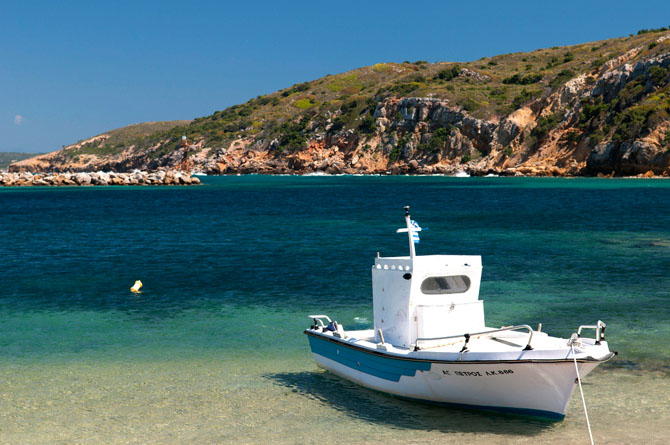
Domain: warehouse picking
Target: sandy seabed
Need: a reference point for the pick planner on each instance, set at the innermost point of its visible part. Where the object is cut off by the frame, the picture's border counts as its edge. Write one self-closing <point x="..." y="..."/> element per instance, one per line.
<point x="219" y="400"/>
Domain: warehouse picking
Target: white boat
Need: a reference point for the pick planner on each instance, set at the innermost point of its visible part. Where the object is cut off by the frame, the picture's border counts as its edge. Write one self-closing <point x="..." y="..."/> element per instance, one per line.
<point x="430" y="343"/>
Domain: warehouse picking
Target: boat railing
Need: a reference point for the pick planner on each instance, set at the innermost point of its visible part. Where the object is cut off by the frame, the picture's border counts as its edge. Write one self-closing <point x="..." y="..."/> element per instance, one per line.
<point x="318" y="320"/>
<point x="470" y="336"/>
<point x="600" y="330"/>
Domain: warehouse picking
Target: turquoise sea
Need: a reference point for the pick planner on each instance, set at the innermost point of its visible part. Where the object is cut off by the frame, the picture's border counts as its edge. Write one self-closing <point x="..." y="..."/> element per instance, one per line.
<point x="212" y="350"/>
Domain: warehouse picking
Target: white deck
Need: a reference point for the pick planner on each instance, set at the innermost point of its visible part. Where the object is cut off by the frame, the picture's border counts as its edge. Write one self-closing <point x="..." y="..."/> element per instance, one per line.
<point x="507" y="345"/>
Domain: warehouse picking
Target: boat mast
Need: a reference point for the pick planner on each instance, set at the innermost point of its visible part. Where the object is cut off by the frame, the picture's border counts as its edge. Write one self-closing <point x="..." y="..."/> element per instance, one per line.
<point x="410" y="233"/>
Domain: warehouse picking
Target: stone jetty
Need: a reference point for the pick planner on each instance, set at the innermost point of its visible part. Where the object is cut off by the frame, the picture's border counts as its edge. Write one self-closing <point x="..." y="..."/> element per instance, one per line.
<point x="159" y="177"/>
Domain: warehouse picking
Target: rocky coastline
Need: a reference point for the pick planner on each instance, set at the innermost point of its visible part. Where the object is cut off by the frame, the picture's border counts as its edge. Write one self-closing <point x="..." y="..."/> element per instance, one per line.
<point x="594" y="109"/>
<point x="159" y="177"/>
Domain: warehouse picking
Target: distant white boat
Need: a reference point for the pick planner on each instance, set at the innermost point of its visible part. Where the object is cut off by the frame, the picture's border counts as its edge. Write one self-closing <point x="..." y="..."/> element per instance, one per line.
<point x="491" y="175"/>
<point x="430" y="343"/>
<point x="199" y="174"/>
<point x="460" y="174"/>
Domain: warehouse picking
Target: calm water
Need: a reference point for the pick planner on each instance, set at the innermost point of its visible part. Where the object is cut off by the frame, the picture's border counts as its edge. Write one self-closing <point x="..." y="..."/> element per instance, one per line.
<point x="212" y="350"/>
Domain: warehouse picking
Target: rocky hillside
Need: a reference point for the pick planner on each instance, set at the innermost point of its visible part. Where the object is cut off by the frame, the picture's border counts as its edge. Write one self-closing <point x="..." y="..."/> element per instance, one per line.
<point x="594" y="108"/>
<point x="113" y="150"/>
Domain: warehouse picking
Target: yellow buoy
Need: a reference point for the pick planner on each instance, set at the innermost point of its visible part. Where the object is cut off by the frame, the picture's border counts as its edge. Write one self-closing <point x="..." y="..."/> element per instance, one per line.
<point x="136" y="287"/>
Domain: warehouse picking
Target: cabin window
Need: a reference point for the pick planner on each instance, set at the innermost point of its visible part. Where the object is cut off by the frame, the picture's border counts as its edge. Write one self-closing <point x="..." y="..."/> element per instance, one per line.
<point x="455" y="284"/>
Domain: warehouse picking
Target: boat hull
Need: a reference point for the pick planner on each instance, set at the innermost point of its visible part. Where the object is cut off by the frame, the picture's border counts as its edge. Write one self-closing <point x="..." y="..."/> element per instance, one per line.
<point x="539" y="388"/>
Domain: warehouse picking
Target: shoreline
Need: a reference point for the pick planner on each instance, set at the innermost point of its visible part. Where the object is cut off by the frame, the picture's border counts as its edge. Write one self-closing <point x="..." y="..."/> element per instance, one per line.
<point x="178" y="178"/>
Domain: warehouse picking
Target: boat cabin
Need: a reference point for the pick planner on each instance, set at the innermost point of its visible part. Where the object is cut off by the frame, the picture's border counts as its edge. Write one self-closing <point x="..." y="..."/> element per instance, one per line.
<point x="428" y="296"/>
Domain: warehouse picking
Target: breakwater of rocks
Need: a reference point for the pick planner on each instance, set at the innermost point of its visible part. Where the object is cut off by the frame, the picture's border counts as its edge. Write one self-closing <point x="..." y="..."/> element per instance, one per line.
<point x="159" y="177"/>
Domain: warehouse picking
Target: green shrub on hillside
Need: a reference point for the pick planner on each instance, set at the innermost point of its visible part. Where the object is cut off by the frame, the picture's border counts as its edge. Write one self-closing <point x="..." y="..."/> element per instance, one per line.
<point x="646" y="31"/>
<point x="596" y="137"/>
<point x="571" y="137"/>
<point x="291" y="137"/>
<point x="561" y="78"/>
<point x="99" y="149"/>
<point x="633" y="123"/>
<point x="519" y="79"/>
<point x="348" y="107"/>
<point x="371" y="105"/>
<point x="297" y="88"/>
<point x="498" y="94"/>
<point x="597" y="63"/>
<point x="657" y="116"/>
<point x="367" y="125"/>
<point x="523" y="97"/>
<point x="545" y="124"/>
<point x="658" y="75"/>
<point x="396" y="153"/>
<point x="416" y="77"/>
<point x="302" y="86"/>
<point x="552" y="63"/>
<point x="449" y="73"/>
<point x="593" y="113"/>
<point x="403" y="89"/>
<point x="638" y="120"/>
<point x="437" y="141"/>
<point x="337" y="124"/>
<point x="471" y="105"/>
<point x="349" y="111"/>
<point x="631" y="93"/>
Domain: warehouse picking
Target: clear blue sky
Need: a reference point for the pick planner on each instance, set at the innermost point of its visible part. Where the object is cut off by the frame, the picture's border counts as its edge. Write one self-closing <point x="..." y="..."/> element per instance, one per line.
<point x="73" y="69"/>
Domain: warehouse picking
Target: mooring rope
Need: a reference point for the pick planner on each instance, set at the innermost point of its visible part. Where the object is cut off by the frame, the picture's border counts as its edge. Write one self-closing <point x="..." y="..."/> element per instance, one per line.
<point x="579" y="380"/>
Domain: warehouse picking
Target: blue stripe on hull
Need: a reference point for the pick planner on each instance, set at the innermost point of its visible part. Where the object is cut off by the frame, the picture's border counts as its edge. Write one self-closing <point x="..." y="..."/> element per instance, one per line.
<point x="392" y="369"/>
<point x="382" y="367"/>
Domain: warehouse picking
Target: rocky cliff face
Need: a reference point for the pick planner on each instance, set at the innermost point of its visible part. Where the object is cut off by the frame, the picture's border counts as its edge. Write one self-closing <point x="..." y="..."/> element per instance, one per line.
<point x="554" y="135"/>
<point x="612" y="120"/>
<point x="649" y="150"/>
